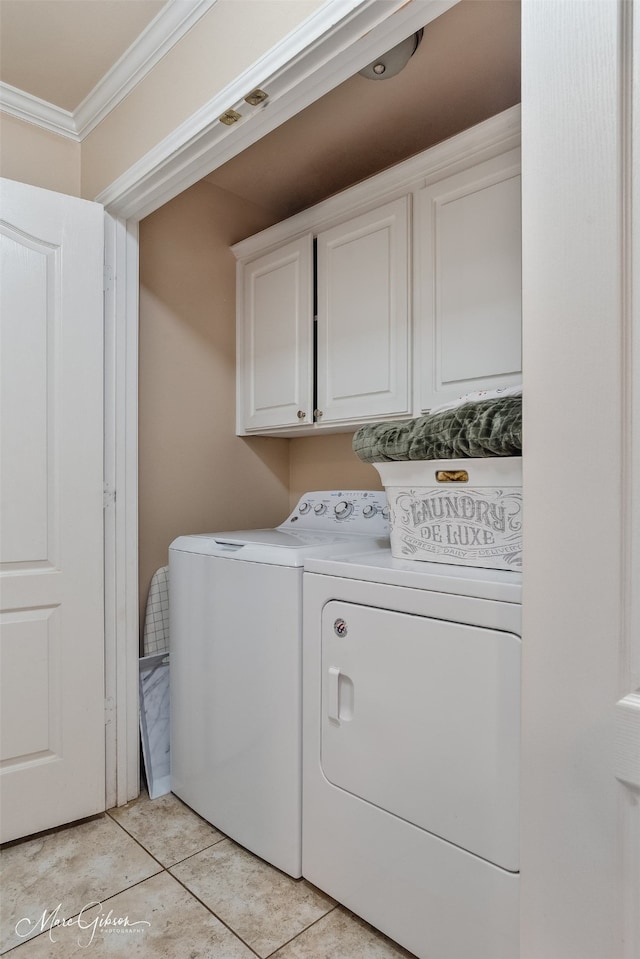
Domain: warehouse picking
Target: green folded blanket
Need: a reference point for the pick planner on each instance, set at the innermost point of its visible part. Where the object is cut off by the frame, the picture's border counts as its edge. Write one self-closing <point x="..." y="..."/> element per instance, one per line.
<point x="487" y="428"/>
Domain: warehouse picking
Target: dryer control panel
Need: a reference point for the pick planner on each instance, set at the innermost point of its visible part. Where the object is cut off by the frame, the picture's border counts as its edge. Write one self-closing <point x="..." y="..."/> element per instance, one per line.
<point x="353" y="511"/>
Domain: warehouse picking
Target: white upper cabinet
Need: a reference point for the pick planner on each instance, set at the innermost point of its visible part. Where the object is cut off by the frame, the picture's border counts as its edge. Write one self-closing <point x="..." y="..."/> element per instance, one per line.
<point x="417" y="290"/>
<point x="363" y="322"/>
<point x="468" y="281"/>
<point x="275" y="339"/>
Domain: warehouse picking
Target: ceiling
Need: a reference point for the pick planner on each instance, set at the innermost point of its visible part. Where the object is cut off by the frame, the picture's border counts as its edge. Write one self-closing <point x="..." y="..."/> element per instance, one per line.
<point x="58" y="50"/>
<point x="466" y="68"/>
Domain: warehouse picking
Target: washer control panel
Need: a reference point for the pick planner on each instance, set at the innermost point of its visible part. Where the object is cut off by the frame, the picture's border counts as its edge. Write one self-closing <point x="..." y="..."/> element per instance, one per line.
<point x="354" y="511"/>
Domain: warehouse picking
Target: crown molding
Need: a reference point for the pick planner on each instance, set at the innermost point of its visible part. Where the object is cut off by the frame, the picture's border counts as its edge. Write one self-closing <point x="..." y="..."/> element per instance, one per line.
<point x="165" y="30"/>
<point x="32" y="109"/>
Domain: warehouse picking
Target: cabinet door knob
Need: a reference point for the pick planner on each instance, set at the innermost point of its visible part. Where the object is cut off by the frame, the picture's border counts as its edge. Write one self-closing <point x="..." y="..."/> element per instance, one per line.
<point x="301" y="414"/>
<point x="317" y="414"/>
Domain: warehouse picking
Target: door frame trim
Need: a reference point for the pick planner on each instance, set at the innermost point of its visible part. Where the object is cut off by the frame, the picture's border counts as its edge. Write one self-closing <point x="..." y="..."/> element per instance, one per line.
<point x="121" y="509"/>
<point x="331" y="45"/>
<point x="627" y="745"/>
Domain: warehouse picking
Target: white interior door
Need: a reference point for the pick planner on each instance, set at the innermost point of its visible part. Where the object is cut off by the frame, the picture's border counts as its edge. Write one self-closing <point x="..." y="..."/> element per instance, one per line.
<point x="52" y="749"/>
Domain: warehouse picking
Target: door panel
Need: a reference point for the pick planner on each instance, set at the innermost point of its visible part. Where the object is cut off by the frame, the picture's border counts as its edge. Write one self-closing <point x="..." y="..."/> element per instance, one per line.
<point x="363" y="315"/>
<point x="27" y="356"/>
<point x="421" y="717"/>
<point x="469" y="291"/>
<point x="275" y="371"/>
<point x="31" y="657"/>
<point x="51" y="522"/>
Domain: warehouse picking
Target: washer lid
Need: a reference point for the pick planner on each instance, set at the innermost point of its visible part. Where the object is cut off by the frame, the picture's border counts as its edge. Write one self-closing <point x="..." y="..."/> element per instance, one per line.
<point x="324" y="523"/>
<point x="278" y="547"/>
<point x="379" y="566"/>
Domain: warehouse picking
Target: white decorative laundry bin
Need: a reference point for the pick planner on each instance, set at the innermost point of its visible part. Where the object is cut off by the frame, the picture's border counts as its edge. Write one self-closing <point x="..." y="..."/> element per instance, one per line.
<point x="467" y="512"/>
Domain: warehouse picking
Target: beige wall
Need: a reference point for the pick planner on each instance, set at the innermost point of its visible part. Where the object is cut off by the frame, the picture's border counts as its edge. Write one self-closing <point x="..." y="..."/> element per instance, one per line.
<point x="232" y="36"/>
<point x="327" y="462"/>
<point x="33" y="155"/>
<point x="195" y="474"/>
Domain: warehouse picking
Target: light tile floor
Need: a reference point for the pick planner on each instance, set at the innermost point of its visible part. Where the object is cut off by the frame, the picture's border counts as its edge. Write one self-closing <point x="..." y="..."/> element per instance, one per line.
<point x="152" y="880"/>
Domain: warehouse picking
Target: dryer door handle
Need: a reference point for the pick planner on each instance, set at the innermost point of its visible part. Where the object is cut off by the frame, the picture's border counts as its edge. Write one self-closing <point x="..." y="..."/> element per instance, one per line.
<point x="340" y="696"/>
<point x="334" y="694"/>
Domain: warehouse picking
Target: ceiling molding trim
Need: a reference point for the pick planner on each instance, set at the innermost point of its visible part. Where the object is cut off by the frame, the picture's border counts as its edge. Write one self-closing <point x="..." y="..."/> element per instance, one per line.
<point x="32" y="109"/>
<point x="165" y="30"/>
<point x="326" y="49"/>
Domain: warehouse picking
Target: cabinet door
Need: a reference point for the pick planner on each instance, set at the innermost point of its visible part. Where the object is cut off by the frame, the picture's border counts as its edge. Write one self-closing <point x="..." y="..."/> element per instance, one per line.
<point x="362" y="356"/>
<point x="275" y="338"/>
<point x="468" y="281"/>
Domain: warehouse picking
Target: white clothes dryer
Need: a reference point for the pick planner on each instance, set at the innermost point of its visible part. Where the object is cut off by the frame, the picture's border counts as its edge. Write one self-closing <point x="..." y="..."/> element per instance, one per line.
<point x="411" y="734"/>
<point x="235" y="612"/>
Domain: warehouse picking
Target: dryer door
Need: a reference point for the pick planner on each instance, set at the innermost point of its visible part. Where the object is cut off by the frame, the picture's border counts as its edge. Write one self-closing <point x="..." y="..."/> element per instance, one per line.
<point x="421" y="717"/>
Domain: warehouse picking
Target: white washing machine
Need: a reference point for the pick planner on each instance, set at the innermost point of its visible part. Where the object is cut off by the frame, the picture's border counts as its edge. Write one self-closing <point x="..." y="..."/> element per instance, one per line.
<point x="235" y="608"/>
<point x="411" y="733"/>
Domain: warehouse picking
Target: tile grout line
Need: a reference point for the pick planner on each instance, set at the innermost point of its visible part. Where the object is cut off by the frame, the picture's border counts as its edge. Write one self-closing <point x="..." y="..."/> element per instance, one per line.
<point x="190" y="892"/>
<point x="186" y="888"/>
<point x="172" y="864"/>
<point x="162" y="869"/>
<point x="270" y="955"/>
<point x="274" y="954"/>
<point x="166" y="869"/>
<point x="215" y="915"/>
<point x="76" y="914"/>
<point x="137" y="841"/>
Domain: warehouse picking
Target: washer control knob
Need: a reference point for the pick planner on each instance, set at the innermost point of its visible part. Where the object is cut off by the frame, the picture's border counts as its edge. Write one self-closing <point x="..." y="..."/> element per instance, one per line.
<point x="385" y="513"/>
<point x="319" y="509"/>
<point x="343" y="509"/>
<point x="304" y="508"/>
<point x="369" y="511"/>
